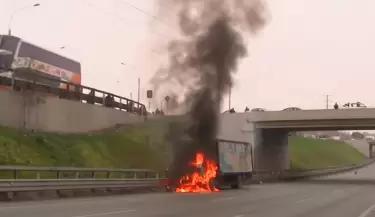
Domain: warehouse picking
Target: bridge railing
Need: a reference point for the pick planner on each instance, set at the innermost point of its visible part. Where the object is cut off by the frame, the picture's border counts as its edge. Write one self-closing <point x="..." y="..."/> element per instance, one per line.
<point x="75" y="92"/>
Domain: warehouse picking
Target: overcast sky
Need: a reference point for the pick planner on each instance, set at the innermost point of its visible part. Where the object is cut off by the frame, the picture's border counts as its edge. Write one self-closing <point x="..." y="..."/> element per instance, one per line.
<point x="310" y="48"/>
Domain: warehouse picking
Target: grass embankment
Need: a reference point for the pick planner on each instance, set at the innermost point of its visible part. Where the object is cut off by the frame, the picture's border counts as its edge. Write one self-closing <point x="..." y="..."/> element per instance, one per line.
<point x="141" y="146"/>
<point x="316" y="153"/>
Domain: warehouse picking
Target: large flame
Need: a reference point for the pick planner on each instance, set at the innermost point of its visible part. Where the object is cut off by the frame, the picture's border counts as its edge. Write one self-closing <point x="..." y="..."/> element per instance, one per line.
<point x="199" y="181"/>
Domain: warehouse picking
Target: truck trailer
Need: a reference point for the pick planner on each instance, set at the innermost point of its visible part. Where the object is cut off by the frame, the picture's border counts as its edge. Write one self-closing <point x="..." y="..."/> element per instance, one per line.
<point x="234" y="164"/>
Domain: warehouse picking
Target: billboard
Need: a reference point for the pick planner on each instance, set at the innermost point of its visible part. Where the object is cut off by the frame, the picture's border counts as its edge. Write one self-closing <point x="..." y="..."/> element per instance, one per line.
<point x="31" y="62"/>
<point x="35" y="66"/>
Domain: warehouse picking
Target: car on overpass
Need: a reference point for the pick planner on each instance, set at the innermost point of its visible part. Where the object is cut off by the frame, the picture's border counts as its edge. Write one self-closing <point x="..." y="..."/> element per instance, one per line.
<point x="292" y="109"/>
<point x="258" y="110"/>
<point x="354" y="105"/>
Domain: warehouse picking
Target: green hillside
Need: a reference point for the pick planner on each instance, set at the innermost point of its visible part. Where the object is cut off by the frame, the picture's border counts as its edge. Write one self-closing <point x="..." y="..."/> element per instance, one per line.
<point x="316" y="153"/>
<point x="141" y="146"/>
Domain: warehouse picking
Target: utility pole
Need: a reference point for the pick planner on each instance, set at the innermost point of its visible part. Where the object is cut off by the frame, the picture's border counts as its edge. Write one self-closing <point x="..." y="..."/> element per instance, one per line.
<point x="327" y="101"/>
<point x="139" y="89"/>
<point x="230" y="96"/>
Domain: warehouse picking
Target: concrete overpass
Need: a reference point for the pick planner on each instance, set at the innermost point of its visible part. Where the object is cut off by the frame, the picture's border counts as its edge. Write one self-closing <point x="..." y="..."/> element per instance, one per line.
<point x="268" y="131"/>
<point x="341" y="119"/>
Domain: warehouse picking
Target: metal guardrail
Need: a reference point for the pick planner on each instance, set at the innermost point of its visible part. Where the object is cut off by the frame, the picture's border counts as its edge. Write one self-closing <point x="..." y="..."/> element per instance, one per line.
<point x="78" y="172"/>
<point x="328" y="171"/>
<point x="292" y="174"/>
<point x="68" y="178"/>
<point x="72" y="184"/>
<point x="130" y="178"/>
<point x="65" y="169"/>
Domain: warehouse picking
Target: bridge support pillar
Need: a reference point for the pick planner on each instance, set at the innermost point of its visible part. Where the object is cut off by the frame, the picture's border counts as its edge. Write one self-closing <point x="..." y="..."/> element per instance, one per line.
<point x="271" y="150"/>
<point x="371" y="150"/>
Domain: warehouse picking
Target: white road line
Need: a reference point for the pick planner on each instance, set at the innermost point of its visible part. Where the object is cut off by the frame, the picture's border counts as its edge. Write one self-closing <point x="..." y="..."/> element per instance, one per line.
<point x="239" y="216"/>
<point x="303" y="200"/>
<point x="224" y="199"/>
<point x="104" y="214"/>
<point x="338" y="191"/>
<point x="20" y="207"/>
<point x="367" y="211"/>
<point x="59" y="202"/>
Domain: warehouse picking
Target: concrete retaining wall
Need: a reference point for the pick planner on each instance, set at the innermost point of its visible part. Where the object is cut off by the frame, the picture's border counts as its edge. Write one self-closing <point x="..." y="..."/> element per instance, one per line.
<point x="45" y="113"/>
<point x="361" y="145"/>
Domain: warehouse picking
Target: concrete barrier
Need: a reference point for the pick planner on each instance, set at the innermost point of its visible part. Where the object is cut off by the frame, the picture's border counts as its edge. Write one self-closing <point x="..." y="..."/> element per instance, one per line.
<point x="32" y="111"/>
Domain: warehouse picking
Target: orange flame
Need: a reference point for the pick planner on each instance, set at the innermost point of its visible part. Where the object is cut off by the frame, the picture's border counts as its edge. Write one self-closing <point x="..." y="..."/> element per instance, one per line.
<point x="199" y="182"/>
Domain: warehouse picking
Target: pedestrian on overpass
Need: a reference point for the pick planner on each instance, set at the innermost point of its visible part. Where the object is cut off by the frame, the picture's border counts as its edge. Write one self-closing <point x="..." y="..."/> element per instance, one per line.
<point x="336" y="106"/>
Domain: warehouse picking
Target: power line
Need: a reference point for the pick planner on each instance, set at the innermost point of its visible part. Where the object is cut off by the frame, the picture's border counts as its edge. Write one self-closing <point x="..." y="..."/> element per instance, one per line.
<point x="123" y="19"/>
<point x="114" y="15"/>
<point x="146" y="13"/>
<point x="104" y="11"/>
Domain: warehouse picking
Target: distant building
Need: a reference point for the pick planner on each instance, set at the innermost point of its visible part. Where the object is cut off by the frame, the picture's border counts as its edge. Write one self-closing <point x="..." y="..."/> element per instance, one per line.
<point x="336" y="137"/>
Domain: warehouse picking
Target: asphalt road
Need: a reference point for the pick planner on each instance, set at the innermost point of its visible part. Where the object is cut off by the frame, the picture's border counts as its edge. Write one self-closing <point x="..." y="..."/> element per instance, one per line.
<point x="345" y="195"/>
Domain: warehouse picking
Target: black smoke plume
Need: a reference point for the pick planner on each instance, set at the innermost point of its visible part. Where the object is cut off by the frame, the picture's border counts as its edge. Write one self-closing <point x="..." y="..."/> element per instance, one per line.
<point x="201" y="65"/>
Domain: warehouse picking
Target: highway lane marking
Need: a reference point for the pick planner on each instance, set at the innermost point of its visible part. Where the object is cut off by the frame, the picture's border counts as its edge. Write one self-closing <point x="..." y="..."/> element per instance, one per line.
<point x="338" y="191"/>
<point x="42" y="204"/>
<point x="106" y="213"/>
<point x="367" y="211"/>
<point x="61" y="202"/>
<point x="16" y="207"/>
<point x="239" y="216"/>
<point x="224" y="199"/>
<point x="304" y="200"/>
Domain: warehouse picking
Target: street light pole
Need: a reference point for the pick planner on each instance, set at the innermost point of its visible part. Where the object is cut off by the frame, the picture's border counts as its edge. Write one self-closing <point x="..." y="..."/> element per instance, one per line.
<point x="139" y="89"/>
<point x="230" y="98"/>
<point x="327" y="101"/>
<point x="15" y="13"/>
<point x="139" y="86"/>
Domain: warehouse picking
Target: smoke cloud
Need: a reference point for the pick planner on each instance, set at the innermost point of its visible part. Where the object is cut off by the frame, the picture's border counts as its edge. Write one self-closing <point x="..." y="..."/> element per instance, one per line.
<point x="201" y="63"/>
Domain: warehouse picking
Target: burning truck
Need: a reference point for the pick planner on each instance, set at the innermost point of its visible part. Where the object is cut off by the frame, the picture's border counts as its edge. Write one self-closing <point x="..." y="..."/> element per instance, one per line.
<point x="231" y="164"/>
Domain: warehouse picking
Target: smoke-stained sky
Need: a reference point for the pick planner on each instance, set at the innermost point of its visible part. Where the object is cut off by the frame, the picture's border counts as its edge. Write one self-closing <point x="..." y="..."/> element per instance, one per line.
<point x="210" y="45"/>
<point x="309" y="49"/>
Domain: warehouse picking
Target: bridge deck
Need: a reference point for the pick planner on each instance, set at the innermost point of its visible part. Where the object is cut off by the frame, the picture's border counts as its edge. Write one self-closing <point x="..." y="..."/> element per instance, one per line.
<point x="341" y="119"/>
